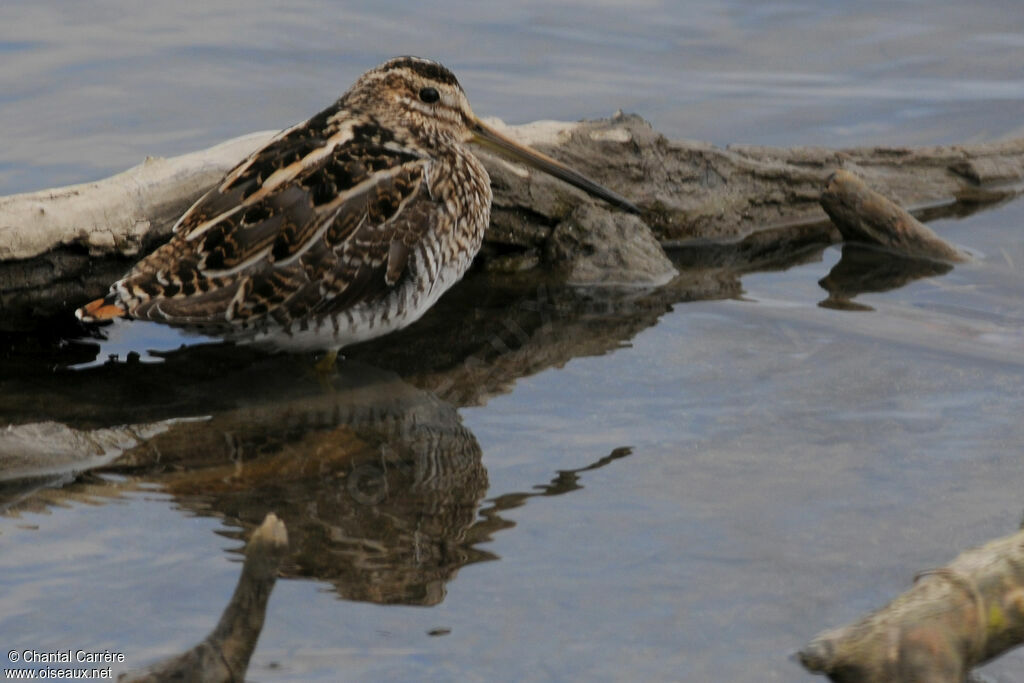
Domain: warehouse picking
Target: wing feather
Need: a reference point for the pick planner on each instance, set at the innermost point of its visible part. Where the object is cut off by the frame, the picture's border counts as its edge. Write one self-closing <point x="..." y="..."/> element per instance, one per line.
<point x="324" y="217"/>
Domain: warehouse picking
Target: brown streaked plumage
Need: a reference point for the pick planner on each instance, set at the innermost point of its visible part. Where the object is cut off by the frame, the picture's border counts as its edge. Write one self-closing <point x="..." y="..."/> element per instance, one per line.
<point x="342" y="228"/>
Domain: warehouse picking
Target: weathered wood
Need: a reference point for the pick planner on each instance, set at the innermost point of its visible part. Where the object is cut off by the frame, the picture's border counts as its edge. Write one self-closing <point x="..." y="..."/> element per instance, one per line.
<point x="693" y="190"/>
<point x="863" y="215"/>
<point x="951" y="620"/>
<point x="51" y="242"/>
<point x="118" y="214"/>
<point x="58" y="247"/>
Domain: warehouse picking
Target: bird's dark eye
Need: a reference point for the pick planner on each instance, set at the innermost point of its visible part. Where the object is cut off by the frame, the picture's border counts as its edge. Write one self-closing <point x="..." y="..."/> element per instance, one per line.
<point x="429" y="95"/>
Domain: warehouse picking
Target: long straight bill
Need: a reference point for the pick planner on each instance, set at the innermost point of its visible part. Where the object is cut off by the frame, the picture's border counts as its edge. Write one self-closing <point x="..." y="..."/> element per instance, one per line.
<point x="488" y="137"/>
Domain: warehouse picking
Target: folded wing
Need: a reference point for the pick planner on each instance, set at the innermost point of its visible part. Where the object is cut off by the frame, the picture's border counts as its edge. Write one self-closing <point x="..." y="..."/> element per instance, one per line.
<point x="322" y="218"/>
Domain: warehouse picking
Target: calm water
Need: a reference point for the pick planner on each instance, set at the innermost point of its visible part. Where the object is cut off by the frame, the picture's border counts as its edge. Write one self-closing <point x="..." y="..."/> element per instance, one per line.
<point x="567" y="484"/>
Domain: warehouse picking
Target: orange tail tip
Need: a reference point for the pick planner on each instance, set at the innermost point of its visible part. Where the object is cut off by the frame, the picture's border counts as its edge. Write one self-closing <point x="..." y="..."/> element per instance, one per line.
<point x="100" y="309"/>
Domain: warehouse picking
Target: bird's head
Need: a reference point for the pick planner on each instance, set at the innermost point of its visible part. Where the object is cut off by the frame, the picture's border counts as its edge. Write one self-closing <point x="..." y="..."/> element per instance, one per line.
<point x="424" y="98"/>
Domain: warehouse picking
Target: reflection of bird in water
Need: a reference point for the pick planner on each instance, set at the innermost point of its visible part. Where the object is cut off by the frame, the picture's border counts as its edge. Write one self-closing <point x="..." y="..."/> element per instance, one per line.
<point x="343" y="228"/>
<point x="377" y="481"/>
<point x="380" y="483"/>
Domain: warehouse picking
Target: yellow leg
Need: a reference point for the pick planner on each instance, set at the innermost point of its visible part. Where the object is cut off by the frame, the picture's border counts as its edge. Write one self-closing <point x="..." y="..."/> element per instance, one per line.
<point x="326" y="365"/>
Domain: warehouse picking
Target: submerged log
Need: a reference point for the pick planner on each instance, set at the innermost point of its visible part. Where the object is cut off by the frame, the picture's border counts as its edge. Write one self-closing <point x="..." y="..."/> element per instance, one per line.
<point x="953" y="619"/>
<point x="59" y="248"/>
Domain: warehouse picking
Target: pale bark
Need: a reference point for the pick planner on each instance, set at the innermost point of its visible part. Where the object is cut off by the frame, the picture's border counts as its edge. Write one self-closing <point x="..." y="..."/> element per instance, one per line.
<point x="118" y="214"/>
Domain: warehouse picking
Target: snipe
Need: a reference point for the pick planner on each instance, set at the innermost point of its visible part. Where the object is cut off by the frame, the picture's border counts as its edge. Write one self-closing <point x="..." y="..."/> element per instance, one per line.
<point x="342" y="228"/>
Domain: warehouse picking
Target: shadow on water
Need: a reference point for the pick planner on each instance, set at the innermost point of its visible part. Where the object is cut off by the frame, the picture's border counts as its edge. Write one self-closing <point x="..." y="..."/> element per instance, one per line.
<point x="381" y="455"/>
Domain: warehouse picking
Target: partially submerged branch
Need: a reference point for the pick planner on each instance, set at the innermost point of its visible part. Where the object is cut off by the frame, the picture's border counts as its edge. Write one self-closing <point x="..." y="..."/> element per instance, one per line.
<point x="951" y="620"/>
<point x="863" y="215"/>
<point x="886" y="247"/>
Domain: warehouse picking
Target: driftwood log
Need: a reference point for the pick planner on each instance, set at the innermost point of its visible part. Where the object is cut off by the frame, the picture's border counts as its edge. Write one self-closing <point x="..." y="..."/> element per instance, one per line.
<point x="951" y="620"/>
<point x="61" y="247"/>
